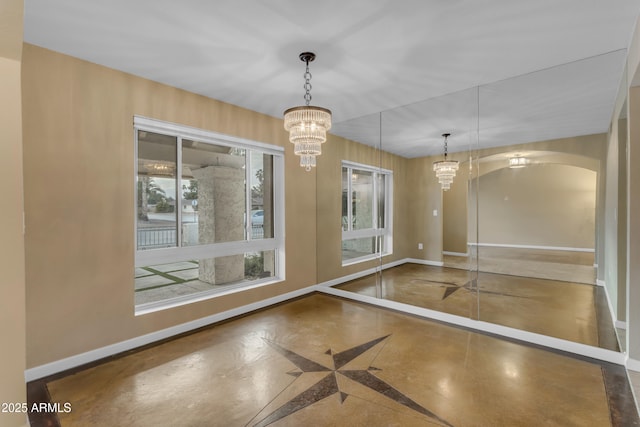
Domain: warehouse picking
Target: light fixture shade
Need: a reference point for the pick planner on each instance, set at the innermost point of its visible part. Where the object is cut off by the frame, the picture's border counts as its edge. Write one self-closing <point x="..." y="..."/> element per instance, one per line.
<point x="518" y="162"/>
<point x="445" y="169"/>
<point x="307" y="125"/>
<point x="445" y="172"/>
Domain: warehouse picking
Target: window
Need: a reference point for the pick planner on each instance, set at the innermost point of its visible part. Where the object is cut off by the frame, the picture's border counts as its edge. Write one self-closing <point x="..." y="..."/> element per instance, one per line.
<point x="366" y="212"/>
<point x="209" y="214"/>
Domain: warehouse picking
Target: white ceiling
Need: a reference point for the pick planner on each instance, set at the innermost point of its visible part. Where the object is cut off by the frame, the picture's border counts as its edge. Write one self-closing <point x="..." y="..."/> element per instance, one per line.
<point x="372" y="56"/>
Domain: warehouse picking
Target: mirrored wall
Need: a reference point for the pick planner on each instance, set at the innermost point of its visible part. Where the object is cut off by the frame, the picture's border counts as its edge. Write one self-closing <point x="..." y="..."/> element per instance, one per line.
<point x="516" y="239"/>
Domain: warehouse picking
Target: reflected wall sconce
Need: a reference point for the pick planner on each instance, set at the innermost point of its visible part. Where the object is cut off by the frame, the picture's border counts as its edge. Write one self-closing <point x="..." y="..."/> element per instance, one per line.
<point x="445" y="169"/>
<point x="518" y="162"/>
<point x="307" y="125"/>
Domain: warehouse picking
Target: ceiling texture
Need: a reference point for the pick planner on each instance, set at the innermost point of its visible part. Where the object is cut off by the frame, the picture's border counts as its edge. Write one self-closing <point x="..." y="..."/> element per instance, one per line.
<point x="398" y="72"/>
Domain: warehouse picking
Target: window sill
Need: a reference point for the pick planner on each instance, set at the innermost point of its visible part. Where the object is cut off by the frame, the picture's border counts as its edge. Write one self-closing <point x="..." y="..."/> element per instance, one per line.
<point x="152" y="307"/>
<point x="364" y="259"/>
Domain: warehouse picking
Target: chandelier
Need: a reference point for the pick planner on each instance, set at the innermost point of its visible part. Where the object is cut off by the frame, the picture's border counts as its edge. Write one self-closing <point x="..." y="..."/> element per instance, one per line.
<point x="445" y="169"/>
<point x="307" y="125"/>
<point x="160" y="167"/>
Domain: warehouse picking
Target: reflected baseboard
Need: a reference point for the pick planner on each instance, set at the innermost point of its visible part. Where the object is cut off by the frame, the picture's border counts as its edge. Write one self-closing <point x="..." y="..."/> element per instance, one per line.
<point x="551" y="343"/>
<point x="460" y="254"/>
<point x="620" y="324"/>
<point x="633" y="364"/>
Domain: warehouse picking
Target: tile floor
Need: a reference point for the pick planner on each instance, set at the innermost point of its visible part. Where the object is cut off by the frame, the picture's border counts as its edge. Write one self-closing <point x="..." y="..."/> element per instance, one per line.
<point x="326" y="361"/>
<point x="571" y="311"/>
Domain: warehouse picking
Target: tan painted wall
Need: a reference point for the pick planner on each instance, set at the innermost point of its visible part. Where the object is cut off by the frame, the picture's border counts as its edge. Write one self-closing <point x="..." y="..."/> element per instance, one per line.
<point x="621" y="262"/>
<point x="12" y="288"/>
<point x="633" y="230"/>
<point x="329" y="203"/>
<point x="539" y="205"/>
<point x="582" y="151"/>
<point x="456" y="216"/>
<point x="611" y="200"/>
<point x="426" y="197"/>
<point x="79" y="183"/>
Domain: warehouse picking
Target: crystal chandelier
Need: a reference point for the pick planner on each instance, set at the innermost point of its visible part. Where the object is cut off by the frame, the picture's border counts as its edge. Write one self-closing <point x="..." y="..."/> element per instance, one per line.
<point x="307" y="125"/>
<point x="160" y="167"/>
<point x="445" y="169"/>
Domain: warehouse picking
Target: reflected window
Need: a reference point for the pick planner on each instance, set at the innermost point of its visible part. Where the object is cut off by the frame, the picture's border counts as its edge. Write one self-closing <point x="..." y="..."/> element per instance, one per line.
<point x="206" y="206"/>
<point x="366" y="224"/>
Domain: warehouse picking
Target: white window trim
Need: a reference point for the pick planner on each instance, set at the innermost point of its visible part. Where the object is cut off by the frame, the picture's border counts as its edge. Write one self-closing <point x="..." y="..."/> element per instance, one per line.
<point x="386" y="232"/>
<point x="144" y="258"/>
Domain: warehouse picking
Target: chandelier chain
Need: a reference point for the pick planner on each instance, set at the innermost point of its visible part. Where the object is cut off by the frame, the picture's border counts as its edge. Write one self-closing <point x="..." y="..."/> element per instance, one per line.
<point x="307" y="85"/>
<point x="445" y="147"/>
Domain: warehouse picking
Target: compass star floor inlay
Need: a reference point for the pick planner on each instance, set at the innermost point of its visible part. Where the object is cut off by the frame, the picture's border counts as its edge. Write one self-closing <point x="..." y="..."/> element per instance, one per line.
<point x="329" y="385"/>
<point x="326" y="361"/>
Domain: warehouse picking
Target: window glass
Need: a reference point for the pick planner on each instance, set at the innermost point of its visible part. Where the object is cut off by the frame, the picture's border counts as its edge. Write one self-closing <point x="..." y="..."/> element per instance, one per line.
<point x="366" y="223"/>
<point x="156" y="191"/>
<point x="179" y="279"/>
<point x="261" y="183"/>
<point x="357" y="248"/>
<point x="206" y="213"/>
<point x="362" y="199"/>
<point x="381" y="200"/>
<point x="213" y="193"/>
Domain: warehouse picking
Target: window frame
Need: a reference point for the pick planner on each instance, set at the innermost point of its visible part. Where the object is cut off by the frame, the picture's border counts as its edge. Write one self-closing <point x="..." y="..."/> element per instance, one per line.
<point x="385" y="232"/>
<point x="155" y="256"/>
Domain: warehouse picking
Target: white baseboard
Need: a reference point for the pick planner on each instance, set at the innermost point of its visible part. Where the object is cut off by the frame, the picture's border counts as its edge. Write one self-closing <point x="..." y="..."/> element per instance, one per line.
<point x="455" y="253"/>
<point x="620" y="324"/>
<point x="344" y="279"/>
<point x="492" y="328"/>
<point x="552" y="248"/>
<point x="633" y="365"/>
<point x="424" y="262"/>
<point x="610" y="305"/>
<point x="61" y="365"/>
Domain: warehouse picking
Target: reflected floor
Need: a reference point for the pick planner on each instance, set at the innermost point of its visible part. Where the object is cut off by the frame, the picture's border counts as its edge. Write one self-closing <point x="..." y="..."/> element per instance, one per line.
<point x="571" y="311"/>
<point x="326" y="361"/>
<point x="568" y="266"/>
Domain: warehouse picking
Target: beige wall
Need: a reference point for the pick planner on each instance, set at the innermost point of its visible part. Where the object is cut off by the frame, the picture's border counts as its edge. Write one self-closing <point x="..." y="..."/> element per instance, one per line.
<point x="456" y="217"/>
<point x="12" y="288"/>
<point x="539" y="205"/>
<point x="633" y="235"/>
<point x="612" y="199"/>
<point x="426" y="197"/>
<point x="587" y="152"/>
<point x="622" y="220"/>
<point x="79" y="184"/>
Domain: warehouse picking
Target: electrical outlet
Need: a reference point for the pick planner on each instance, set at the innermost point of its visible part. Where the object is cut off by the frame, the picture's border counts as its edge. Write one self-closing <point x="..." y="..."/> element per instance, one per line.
<point x="435" y="212"/>
<point x="420" y="246"/>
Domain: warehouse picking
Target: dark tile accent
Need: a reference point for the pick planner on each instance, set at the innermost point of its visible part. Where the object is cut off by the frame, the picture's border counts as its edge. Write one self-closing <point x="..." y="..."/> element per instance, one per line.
<point x="37" y="392"/>
<point x="622" y="406"/>
<point x="344" y="357"/>
<point x="320" y="390"/>
<point x="304" y="364"/>
<point x="369" y="380"/>
<point x="606" y="330"/>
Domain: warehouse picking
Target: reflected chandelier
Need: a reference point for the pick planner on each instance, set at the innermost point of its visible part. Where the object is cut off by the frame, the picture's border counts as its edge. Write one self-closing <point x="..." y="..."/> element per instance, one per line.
<point x="307" y="125"/>
<point x="518" y="161"/>
<point x="445" y="169"/>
